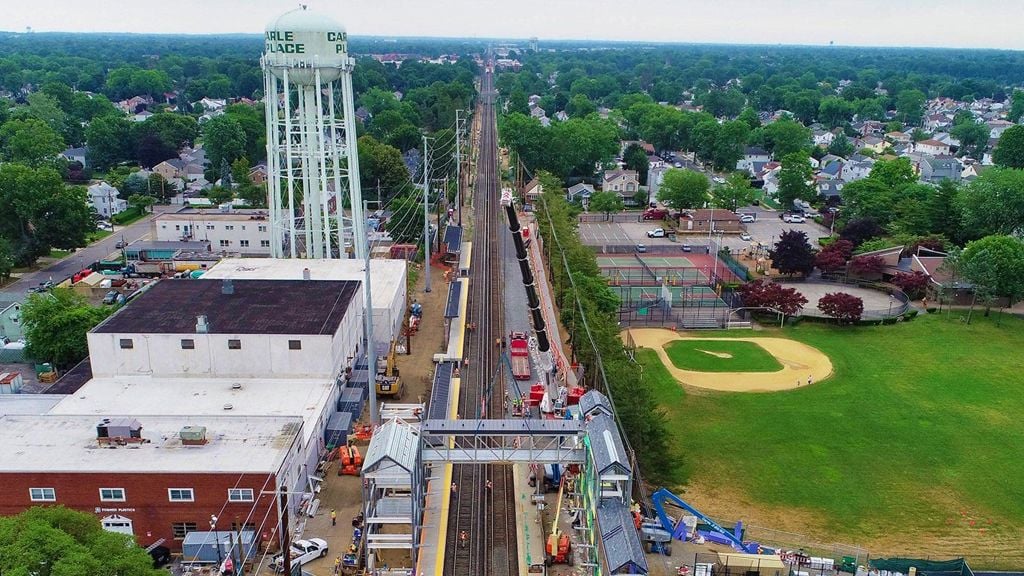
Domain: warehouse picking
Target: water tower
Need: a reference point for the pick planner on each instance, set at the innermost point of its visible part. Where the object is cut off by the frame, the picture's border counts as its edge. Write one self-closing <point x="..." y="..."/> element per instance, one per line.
<point x="312" y="163"/>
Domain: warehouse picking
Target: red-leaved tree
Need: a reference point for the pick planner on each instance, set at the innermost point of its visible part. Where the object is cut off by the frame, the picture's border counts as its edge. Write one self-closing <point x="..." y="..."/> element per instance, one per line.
<point x="913" y="284"/>
<point x="845" y="308"/>
<point x="867" y="265"/>
<point x="834" y="256"/>
<point x="764" y="294"/>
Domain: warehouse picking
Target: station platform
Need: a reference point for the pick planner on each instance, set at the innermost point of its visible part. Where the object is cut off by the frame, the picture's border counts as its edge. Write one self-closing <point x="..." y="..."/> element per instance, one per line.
<point x="434" y="535"/>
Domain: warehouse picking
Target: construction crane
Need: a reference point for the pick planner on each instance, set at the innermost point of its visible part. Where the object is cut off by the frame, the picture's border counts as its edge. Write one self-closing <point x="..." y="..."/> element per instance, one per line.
<point x="388" y="381"/>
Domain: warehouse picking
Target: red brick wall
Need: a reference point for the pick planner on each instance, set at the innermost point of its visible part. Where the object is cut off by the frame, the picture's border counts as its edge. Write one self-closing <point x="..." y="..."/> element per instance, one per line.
<point x="146" y="500"/>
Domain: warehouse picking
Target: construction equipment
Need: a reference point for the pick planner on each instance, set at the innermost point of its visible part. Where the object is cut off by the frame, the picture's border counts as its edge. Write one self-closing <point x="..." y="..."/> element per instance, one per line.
<point x="351" y="461"/>
<point x="388" y="381"/>
<point x="519" y="355"/>
<point x="558" y="549"/>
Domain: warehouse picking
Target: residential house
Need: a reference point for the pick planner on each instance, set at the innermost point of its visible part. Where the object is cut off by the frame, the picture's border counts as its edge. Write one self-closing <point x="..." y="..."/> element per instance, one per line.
<point x="531" y="191"/>
<point x="76" y="155"/>
<point x="972" y="171"/>
<point x="935" y="169"/>
<point x="752" y="154"/>
<point x="537" y="112"/>
<point x="623" y="144"/>
<point x="133" y="104"/>
<point x="142" y="116"/>
<point x="932" y="148"/>
<point x="934" y="122"/>
<point x="997" y="127"/>
<point x="103" y="197"/>
<point x="770" y="177"/>
<point x="533" y="100"/>
<point x="857" y="169"/>
<point x="823" y="138"/>
<point x="872" y="128"/>
<point x="831" y="171"/>
<point x="873" y="143"/>
<point x="830" y="158"/>
<point x="171" y="169"/>
<point x="713" y="220"/>
<point x="897" y="136"/>
<point x="258" y="174"/>
<point x="561" y="116"/>
<point x="830" y="190"/>
<point x="625" y="182"/>
<point x="581" y="192"/>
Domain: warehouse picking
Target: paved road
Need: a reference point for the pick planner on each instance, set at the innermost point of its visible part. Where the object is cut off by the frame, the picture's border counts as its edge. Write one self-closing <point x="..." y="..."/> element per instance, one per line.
<point x="81" y="258"/>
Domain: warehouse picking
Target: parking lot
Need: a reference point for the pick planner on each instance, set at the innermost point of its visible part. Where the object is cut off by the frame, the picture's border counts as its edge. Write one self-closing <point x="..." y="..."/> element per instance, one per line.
<point x="765" y="230"/>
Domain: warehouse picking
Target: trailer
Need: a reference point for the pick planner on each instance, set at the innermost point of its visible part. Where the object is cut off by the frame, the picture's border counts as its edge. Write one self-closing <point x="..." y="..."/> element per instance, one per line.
<point x="519" y="355"/>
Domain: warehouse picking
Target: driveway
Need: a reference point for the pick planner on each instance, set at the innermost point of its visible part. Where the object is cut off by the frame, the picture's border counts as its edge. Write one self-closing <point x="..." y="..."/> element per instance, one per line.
<point x="81" y="258"/>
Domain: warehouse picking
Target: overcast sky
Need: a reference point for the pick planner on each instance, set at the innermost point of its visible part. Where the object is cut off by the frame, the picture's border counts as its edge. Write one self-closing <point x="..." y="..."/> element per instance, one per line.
<point x="940" y="23"/>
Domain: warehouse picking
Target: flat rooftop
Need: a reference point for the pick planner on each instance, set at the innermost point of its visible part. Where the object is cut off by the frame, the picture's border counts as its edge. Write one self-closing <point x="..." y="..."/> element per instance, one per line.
<point x="255" y="307"/>
<point x="11" y="404"/>
<point x="67" y="443"/>
<point x="387" y="276"/>
<point x="142" y="395"/>
<point x="192" y="213"/>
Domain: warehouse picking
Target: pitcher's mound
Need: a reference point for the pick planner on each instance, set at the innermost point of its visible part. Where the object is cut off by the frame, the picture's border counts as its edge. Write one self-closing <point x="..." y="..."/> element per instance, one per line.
<point x="799" y="361"/>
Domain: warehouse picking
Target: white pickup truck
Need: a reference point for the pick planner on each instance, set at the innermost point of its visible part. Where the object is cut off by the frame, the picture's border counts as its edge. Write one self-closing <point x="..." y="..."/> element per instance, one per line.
<point x="302" y="552"/>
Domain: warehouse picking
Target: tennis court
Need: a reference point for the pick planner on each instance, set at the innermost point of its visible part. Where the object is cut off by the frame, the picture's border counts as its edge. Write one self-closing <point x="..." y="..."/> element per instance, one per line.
<point x="657" y="269"/>
<point x="680" y="294"/>
<point x="651" y="260"/>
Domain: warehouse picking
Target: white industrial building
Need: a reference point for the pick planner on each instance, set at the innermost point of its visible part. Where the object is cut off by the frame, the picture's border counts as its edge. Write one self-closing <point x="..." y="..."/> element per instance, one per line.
<point x="388" y="280"/>
<point x="239" y="230"/>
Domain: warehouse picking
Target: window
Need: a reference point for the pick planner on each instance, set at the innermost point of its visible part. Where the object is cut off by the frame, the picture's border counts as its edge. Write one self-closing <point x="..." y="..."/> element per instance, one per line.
<point x="177" y="226"/>
<point x="127" y="344"/>
<point x="295" y="344"/>
<point x="240" y="495"/>
<point x="225" y="243"/>
<point x="229" y="227"/>
<point x="264" y="243"/>
<point x="112" y="494"/>
<point x="209" y="226"/>
<point x="243" y="226"/>
<point x="42" y="494"/>
<point x="261" y="228"/>
<point x="235" y="526"/>
<point x="188" y="344"/>
<point x="180" y="529"/>
<point x="180" y="495"/>
<point x="243" y="243"/>
<point x="234" y="344"/>
<point x="163" y="226"/>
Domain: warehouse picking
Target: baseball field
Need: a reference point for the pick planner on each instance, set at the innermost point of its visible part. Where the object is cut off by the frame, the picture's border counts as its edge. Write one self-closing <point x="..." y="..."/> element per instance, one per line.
<point x="910" y="443"/>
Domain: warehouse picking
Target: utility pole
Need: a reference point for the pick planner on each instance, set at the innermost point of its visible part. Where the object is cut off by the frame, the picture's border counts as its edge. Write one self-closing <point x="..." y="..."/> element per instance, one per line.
<point x="458" y="162"/>
<point x="286" y="557"/>
<point x="426" y="213"/>
<point x="371" y="354"/>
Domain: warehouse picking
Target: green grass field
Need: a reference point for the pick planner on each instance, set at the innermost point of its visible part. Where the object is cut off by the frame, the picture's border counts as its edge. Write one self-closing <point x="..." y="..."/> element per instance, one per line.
<point x="721" y="356"/>
<point x="919" y="427"/>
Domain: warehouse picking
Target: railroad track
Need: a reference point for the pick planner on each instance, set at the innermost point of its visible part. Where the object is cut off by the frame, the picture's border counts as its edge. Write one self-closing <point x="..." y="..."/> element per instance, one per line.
<point x="485" y="515"/>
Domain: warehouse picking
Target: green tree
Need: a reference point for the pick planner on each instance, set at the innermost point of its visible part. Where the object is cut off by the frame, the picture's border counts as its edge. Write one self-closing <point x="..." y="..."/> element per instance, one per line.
<point x="406" y="223"/>
<point x="635" y="158"/>
<point x="841" y="146"/>
<point x="56" y="324"/>
<point x="30" y="141"/>
<point x="141" y="202"/>
<point x="729" y="144"/>
<point x="784" y="137"/>
<point x="834" y="111"/>
<point x="110" y="142"/>
<point x="219" y="195"/>
<point x="64" y="218"/>
<point x="1009" y="151"/>
<point x="161" y="136"/>
<point x="792" y="253"/>
<point x="749" y="116"/>
<point x="683" y="189"/>
<point x="580" y="106"/>
<point x="995" y="266"/>
<point x="381" y="165"/>
<point x="795" y="179"/>
<point x="67" y="542"/>
<point x="736" y="192"/>
<point x="224" y="140"/>
<point x="910" y="106"/>
<point x="1016" y="106"/>
<point x="606" y="202"/>
<point x="973" y="138"/>
<point x="993" y="203"/>
<point x="6" y="259"/>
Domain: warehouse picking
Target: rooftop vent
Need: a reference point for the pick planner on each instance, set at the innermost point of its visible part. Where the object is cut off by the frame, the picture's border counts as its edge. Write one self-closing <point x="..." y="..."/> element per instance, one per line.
<point x="236" y="386"/>
<point x="305" y="273"/>
<point x="228" y="406"/>
<point x="202" y="325"/>
<point x="119" y="431"/>
<point x="227" y="287"/>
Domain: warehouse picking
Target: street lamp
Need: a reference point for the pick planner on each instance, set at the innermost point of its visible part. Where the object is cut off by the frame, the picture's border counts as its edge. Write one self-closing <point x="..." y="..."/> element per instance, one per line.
<point x="891" y="298"/>
<point x="216" y="538"/>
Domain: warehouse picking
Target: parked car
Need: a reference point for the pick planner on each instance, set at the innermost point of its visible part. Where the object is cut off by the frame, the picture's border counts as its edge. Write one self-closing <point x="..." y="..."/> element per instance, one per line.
<point x="120" y="244"/>
<point x="687" y="248"/>
<point x="302" y="552"/>
<point x="745" y="237"/>
<point x="111" y="297"/>
<point x="794" y="219"/>
<point x="641" y="248"/>
<point x="655" y="214"/>
<point x="104" y="225"/>
<point x="747" y="218"/>
<point x="656" y="233"/>
<point x="718" y="180"/>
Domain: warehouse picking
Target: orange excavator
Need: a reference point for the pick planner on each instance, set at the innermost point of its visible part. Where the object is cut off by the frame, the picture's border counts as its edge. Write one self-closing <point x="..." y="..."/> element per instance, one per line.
<point x="558" y="549"/>
<point x="351" y="460"/>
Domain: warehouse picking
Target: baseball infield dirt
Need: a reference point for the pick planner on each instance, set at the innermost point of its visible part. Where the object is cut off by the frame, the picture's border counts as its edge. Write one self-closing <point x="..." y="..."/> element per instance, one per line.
<point x="799" y="361"/>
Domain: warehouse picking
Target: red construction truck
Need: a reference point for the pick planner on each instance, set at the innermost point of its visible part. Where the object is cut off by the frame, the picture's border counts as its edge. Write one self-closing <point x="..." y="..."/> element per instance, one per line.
<point x="519" y="355"/>
<point x="655" y="214"/>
